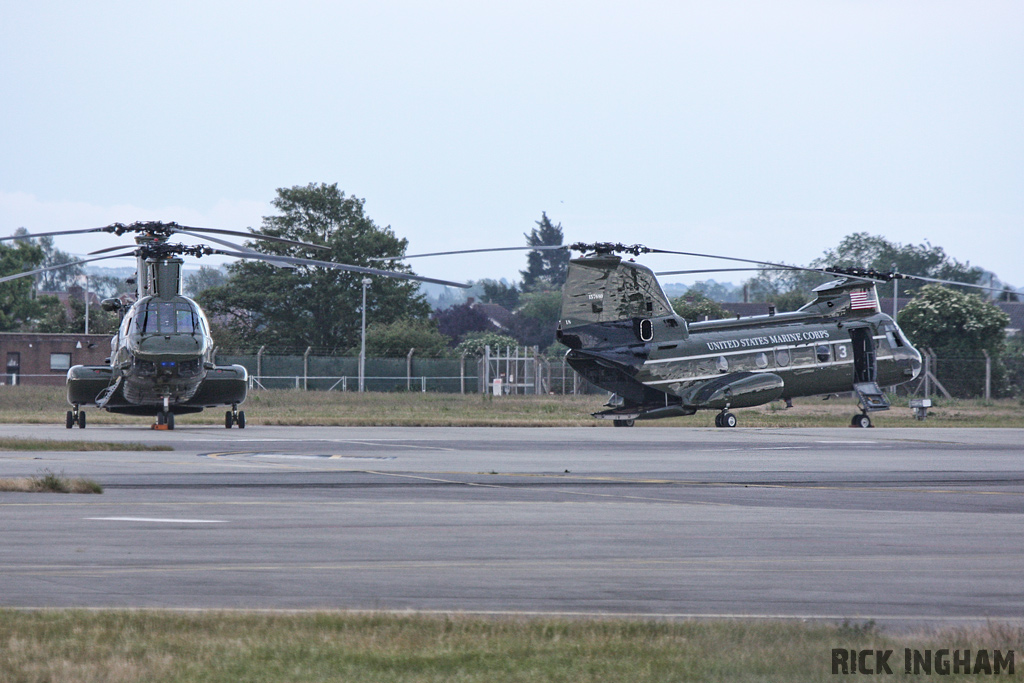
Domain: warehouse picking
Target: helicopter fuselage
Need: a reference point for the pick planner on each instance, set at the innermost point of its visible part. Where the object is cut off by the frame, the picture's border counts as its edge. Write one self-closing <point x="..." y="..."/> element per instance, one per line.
<point x="163" y="349"/>
<point x="623" y="336"/>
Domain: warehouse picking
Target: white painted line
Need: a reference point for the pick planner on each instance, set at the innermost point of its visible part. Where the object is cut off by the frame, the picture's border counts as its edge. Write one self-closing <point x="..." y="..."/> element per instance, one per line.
<point x="157" y="519"/>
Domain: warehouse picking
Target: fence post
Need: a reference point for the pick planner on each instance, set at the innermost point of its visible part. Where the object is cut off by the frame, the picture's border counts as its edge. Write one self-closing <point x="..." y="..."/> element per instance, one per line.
<point x="988" y="375"/>
<point x="486" y="374"/>
<point x="408" y="370"/>
<point x="462" y="374"/>
<point x="259" y="365"/>
<point x="927" y="373"/>
<point x="305" y="369"/>
<point x="423" y="383"/>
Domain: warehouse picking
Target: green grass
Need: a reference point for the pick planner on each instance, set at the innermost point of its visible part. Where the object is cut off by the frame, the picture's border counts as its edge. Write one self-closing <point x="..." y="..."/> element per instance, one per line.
<point x="34" y="405"/>
<point x="212" y="647"/>
<point x="48" y="481"/>
<point x="22" y="444"/>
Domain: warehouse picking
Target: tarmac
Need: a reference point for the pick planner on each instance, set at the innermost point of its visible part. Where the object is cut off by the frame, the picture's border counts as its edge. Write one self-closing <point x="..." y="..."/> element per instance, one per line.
<point x="903" y="526"/>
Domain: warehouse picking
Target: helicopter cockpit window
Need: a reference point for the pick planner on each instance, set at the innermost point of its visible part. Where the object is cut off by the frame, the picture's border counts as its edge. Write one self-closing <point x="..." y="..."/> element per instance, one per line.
<point x="185" y="320"/>
<point x="168" y="317"/>
<point x="894" y="335"/>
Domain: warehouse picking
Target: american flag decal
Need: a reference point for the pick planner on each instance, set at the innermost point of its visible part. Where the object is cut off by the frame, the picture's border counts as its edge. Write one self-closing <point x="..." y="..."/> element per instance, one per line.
<point x="863" y="299"/>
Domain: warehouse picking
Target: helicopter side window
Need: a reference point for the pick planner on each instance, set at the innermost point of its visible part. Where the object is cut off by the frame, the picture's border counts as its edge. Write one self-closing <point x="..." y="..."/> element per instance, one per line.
<point x="823" y="352"/>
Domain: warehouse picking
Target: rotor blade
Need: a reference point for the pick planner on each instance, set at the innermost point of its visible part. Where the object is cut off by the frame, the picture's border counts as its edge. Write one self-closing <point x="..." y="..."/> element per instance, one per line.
<point x="339" y="266"/>
<point x="63" y="265"/>
<point x="117" y="248"/>
<point x="904" y="276"/>
<point x="779" y="266"/>
<point x="232" y="245"/>
<point x="470" y="251"/>
<point x="58" y="232"/>
<point x="249" y="235"/>
<point x="715" y="270"/>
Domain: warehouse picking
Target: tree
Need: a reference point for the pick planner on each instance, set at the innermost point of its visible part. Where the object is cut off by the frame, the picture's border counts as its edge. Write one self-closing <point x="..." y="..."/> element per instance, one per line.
<point x="56" y="317"/>
<point x="536" y="319"/>
<point x="787" y="290"/>
<point x="958" y="327"/>
<point x="17" y="306"/>
<point x="456" y="322"/>
<point x="790" y="289"/>
<point x="861" y="250"/>
<point x="62" y="279"/>
<point x="393" y="340"/>
<point x="546" y="269"/>
<point x="311" y="305"/>
<point x="500" y="293"/>
<point x="717" y="291"/>
<point x="695" y="306"/>
<point x="203" y="279"/>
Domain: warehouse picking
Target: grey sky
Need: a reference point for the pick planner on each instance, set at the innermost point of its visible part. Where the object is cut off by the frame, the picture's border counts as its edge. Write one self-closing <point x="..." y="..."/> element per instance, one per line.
<point x="762" y="130"/>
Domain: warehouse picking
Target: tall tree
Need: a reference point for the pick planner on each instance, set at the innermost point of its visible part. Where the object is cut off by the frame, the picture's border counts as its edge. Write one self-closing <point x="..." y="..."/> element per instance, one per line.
<point x="862" y="250"/>
<point x="790" y="289"/>
<point x="310" y="305"/>
<point x="546" y="269"/>
<point x="500" y="293"/>
<point x="17" y="305"/>
<point x="62" y="279"/>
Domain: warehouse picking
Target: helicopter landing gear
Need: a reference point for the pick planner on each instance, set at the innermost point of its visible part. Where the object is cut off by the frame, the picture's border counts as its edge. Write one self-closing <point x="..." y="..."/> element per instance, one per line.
<point x="164" y="420"/>
<point x="74" y="417"/>
<point x="725" y="419"/>
<point x="622" y="423"/>
<point x="862" y="421"/>
<point x="236" y="416"/>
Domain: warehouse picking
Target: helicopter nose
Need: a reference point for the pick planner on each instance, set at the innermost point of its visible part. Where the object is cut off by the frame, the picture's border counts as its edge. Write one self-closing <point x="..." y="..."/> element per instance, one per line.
<point x="915" y="365"/>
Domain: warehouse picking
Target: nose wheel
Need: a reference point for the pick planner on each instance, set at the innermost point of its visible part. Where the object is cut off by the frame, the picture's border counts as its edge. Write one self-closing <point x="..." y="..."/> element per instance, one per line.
<point x="75" y="417"/>
<point x="234" y="417"/>
<point x="165" y="420"/>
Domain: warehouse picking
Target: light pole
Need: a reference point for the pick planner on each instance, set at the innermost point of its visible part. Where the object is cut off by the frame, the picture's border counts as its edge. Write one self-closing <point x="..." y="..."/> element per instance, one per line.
<point x="362" y="346"/>
<point x="87" y="304"/>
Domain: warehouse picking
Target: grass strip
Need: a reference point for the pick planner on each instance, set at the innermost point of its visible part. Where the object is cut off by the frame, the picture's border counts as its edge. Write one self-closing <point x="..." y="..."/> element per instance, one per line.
<point x="212" y="647"/>
<point x="22" y="444"/>
<point x="46" y="405"/>
<point x="50" y="482"/>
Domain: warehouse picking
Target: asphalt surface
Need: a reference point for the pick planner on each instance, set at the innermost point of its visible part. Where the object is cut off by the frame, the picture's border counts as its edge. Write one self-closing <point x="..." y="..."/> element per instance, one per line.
<point x="897" y="525"/>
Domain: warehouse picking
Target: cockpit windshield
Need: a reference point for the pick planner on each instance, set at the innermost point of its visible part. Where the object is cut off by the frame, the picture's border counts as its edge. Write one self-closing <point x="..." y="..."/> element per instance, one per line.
<point x="169" y="317"/>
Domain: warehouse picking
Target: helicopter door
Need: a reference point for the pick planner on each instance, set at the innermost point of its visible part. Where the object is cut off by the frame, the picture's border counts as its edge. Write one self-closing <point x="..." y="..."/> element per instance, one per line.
<point x="865" y="365"/>
<point x="865" y="371"/>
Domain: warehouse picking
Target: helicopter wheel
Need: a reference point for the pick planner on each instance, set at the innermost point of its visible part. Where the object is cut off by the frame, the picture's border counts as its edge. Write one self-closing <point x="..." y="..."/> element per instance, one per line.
<point x="862" y="421"/>
<point x="241" y="419"/>
<point x="622" y="423"/>
<point x="69" y="421"/>
<point x="161" y="418"/>
<point x="81" y="419"/>
<point x="229" y="420"/>
<point x="169" y="420"/>
<point x="725" y="419"/>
